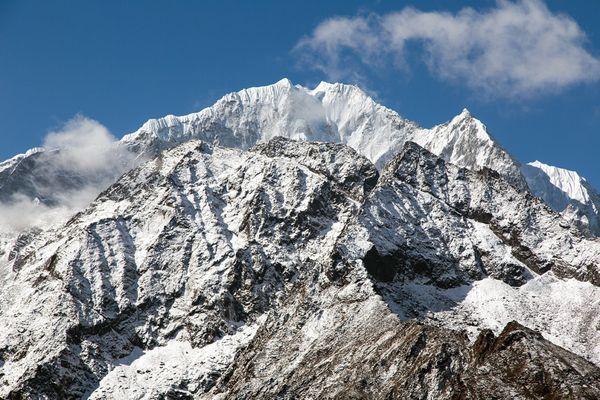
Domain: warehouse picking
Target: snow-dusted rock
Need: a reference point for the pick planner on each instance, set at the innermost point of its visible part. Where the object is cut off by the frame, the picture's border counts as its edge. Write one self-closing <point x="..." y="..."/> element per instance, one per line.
<point x="188" y="247"/>
<point x="391" y="261"/>
<point x="211" y="272"/>
<point x="538" y="237"/>
<point x="444" y="242"/>
<point x="328" y="113"/>
<point x="566" y="192"/>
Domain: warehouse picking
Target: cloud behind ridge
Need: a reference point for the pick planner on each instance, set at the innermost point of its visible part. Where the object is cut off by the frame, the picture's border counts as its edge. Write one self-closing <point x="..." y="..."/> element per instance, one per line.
<point x="77" y="162"/>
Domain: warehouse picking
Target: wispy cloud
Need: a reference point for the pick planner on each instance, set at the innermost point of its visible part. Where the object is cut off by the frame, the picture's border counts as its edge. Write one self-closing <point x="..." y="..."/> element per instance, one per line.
<point x="514" y="49"/>
<point x="23" y="212"/>
<point x="84" y="143"/>
<point x="80" y="160"/>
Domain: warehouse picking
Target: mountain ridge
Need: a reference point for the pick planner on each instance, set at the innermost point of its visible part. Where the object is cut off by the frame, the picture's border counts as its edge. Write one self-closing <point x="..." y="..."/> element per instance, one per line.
<point x="464" y="140"/>
<point x="331" y="113"/>
<point x="251" y="274"/>
<point x="565" y="191"/>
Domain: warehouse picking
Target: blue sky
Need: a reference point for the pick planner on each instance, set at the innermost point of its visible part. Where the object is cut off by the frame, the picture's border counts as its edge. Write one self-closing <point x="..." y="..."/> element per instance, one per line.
<point x="123" y="62"/>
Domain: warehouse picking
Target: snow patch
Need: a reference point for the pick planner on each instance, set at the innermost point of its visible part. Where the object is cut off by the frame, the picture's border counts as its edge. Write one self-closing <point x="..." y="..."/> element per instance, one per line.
<point x="176" y="367"/>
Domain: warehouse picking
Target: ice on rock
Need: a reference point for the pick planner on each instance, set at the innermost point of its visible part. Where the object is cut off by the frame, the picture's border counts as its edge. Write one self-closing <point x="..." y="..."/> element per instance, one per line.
<point x="566" y="192"/>
<point x="296" y="243"/>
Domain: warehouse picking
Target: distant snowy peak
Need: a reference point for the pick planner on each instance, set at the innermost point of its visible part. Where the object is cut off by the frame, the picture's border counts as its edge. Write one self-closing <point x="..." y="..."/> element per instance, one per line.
<point x="11" y="163"/>
<point x="569" y="182"/>
<point x="241" y="119"/>
<point x="375" y="131"/>
<point x="566" y="192"/>
<point x="465" y="141"/>
<point x="331" y="112"/>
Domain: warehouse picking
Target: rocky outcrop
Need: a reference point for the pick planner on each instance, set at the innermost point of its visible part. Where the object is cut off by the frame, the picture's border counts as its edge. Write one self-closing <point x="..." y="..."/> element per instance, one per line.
<point x="281" y="272"/>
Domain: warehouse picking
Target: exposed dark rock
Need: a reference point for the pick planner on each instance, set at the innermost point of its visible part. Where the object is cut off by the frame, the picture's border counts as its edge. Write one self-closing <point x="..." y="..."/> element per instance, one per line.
<point x="282" y="272"/>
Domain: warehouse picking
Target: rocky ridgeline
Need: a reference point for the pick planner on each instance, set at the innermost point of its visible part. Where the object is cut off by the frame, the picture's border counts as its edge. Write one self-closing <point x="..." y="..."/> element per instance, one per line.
<point x="284" y="271"/>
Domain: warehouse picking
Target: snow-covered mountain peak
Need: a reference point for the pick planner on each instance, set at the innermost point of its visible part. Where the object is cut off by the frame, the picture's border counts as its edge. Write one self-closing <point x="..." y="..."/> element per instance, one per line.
<point x="261" y="93"/>
<point x="566" y="192"/>
<point x="569" y="182"/>
<point x="321" y="87"/>
<point x="333" y="112"/>
<point x="208" y="263"/>
<point x="339" y="87"/>
<point x="285" y="82"/>
<point x="566" y="180"/>
<point x="330" y="112"/>
<point x="12" y="162"/>
<point x="465" y="141"/>
<point x="466" y="123"/>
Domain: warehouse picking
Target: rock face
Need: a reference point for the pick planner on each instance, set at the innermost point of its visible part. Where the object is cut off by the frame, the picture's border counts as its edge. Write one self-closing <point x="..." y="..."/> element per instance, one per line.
<point x="294" y="270"/>
<point x="328" y="113"/>
<point x="566" y="192"/>
<point x="410" y="360"/>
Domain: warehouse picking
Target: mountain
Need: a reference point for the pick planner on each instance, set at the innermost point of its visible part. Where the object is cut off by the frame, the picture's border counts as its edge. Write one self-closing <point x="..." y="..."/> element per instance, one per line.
<point x="296" y="269"/>
<point x="296" y="243"/>
<point x="465" y="141"/>
<point x="44" y="187"/>
<point x="566" y="192"/>
<point x="329" y="112"/>
<point x="346" y="114"/>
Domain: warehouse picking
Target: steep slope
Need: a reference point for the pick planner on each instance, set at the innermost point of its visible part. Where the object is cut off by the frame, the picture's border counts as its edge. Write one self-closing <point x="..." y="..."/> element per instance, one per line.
<point x="465" y="142"/>
<point x="277" y="272"/>
<point x="189" y="247"/>
<point x="537" y="236"/>
<point x="566" y="192"/>
<point x="330" y="113"/>
<point x="464" y="248"/>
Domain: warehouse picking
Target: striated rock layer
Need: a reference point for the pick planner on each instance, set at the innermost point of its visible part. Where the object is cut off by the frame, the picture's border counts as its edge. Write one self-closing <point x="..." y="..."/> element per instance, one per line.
<point x="297" y="270"/>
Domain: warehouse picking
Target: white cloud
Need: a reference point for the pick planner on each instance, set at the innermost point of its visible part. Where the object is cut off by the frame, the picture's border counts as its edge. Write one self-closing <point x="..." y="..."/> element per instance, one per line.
<point x="514" y="49"/>
<point x="23" y="212"/>
<point x="80" y="160"/>
<point x="84" y="143"/>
